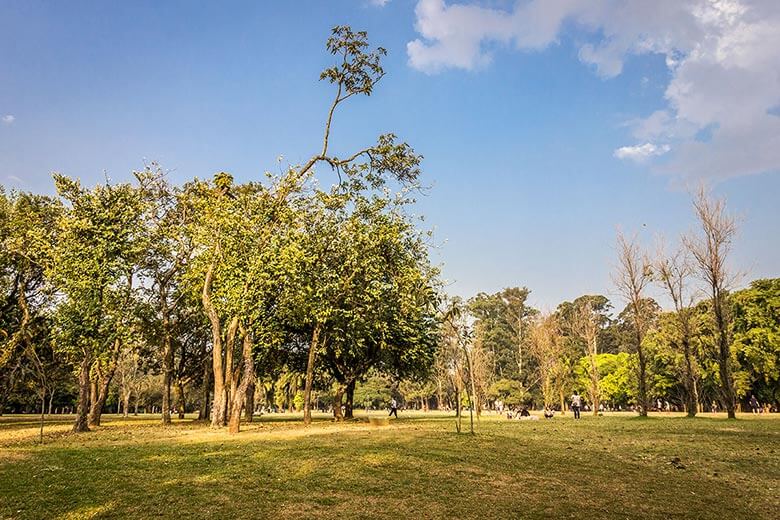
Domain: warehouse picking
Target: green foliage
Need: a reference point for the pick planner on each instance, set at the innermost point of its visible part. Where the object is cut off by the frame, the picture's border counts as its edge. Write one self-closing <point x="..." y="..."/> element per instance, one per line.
<point x="757" y="336"/>
<point x="617" y="377"/>
<point x="510" y="391"/>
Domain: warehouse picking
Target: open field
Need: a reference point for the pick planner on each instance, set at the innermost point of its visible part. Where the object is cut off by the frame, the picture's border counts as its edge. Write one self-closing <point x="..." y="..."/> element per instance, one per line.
<point x="418" y="467"/>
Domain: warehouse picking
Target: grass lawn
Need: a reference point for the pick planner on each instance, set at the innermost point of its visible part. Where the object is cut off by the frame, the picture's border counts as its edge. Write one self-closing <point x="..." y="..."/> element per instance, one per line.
<point x="418" y="467"/>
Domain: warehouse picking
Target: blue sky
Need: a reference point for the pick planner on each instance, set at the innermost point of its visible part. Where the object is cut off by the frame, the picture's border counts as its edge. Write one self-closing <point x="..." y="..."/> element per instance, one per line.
<point x="543" y="129"/>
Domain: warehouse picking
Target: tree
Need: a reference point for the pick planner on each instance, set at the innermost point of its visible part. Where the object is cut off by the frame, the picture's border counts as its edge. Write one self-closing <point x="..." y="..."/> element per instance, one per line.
<point x="632" y="277"/>
<point x="502" y="323"/>
<point x="92" y="266"/>
<point x="168" y="251"/>
<point x="757" y="336"/>
<point x="548" y="348"/>
<point x="27" y="233"/>
<point x="674" y="273"/>
<point x="710" y="250"/>
<point x="582" y="321"/>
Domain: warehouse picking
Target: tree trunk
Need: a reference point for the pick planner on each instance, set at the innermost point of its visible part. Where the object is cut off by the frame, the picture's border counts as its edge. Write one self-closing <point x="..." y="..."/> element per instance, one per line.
<point x="642" y="380"/>
<point x="205" y="409"/>
<point x="105" y="381"/>
<point x="594" y="379"/>
<point x="82" y="410"/>
<point x="219" y="403"/>
<point x="457" y="408"/>
<point x="724" y="351"/>
<point x="238" y="392"/>
<point x="692" y="397"/>
<point x="349" y="403"/>
<point x="337" y="398"/>
<point x="167" y="362"/>
<point x="180" y="399"/>
<point x="96" y="411"/>
<point x="315" y="337"/>
<point x="51" y="401"/>
<point x="249" y="409"/>
<point x="43" y="410"/>
<point x="563" y="400"/>
<point x="126" y="404"/>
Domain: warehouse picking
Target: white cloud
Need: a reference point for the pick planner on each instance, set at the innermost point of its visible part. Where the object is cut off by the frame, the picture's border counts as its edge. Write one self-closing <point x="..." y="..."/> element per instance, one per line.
<point x="8" y="119"/>
<point x="641" y="152"/>
<point x="379" y="3"/>
<point x="723" y="57"/>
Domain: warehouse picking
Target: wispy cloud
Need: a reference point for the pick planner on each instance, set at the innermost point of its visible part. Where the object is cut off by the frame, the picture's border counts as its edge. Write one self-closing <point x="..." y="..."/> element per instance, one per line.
<point x="8" y="119"/>
<point x="641" y="152"/>
<point x="723" y="57"/>
<point x="379" y="3"/>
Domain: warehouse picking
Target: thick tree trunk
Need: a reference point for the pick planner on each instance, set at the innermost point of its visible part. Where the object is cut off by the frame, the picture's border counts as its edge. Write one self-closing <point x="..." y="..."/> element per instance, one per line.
<point x="105" y="381"/>
<point x="219" y="402"/>
<point x="96" y="411"/>
<point x="337" y="398"/>
<point x="315" y="338"/>
<point x="82" y="410"/>
<point x="349" y="403"/>
<point x="238" y="392"/>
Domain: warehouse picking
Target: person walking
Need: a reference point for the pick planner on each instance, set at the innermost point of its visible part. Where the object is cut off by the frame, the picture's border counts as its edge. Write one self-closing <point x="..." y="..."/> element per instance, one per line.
<point x="576" y="404"/>
<point x="754" y="405"/>
<point x="393" y="408"/>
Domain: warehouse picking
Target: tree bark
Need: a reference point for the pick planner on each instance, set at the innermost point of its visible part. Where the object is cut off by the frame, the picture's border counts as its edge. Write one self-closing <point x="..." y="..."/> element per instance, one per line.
<point x="180" y="399"/>
<point x="642" y="376"/>
<point x="315" y="338"/>
<point x="724" y="351"/>
<point x="337" y="398"/>
<point x="205" y="409"/>
<point x="219" y="402"/>
<point x="238" y="392"/>
<point x="249" y="409"/>
<point x="82" y="410"/>
<point x="594" y="376"/>
<point x="692" y="397"/>
<point x="167" y="362"/>
<point x="349" y="404"/>
<point x="104" y="383"/>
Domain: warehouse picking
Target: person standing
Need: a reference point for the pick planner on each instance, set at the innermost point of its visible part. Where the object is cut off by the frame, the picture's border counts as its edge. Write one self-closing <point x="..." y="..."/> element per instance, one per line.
<point x="393" y="408"/>
<point x="576" y="403"/>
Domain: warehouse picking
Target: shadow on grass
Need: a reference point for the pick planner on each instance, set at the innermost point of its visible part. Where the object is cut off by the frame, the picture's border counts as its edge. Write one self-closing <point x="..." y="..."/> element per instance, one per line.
<point x="414" y="468"/>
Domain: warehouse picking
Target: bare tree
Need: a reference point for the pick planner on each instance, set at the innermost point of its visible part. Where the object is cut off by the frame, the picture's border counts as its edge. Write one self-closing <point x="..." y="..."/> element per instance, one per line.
<point x="674" y="272"/>
<point x="547" y="348"/>
<point x="632" y="276"/>
<point x="586" y="324"/>
<point x="710" y="249"/>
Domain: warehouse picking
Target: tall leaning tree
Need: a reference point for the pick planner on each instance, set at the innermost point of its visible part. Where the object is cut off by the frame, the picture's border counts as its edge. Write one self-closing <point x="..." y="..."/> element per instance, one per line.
<point x="710" y="249"/>
<point x="631" y="277"/>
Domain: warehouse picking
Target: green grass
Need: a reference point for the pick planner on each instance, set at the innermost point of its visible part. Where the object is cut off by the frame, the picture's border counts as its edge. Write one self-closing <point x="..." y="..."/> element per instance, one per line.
<point x="418" y="467"/>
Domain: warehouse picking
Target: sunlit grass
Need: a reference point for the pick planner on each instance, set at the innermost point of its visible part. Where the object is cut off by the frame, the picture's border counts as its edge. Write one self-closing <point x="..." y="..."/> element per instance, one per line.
<point x="418" y="467"/>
